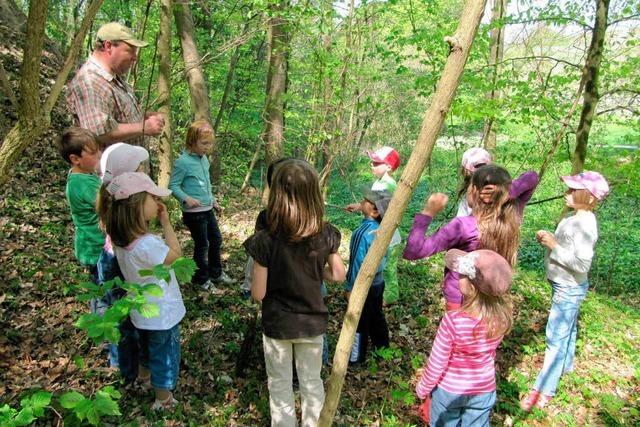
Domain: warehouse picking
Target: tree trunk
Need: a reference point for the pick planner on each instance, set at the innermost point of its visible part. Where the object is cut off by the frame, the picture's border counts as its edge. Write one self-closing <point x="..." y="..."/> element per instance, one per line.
<point x="195" y="77"/>
<point x="460" y="45"/>
<point x="7" y="89"/>
<point x="495" y="57"/>
<point x="33" y="120"/>
<point x="591" y="96"/>
<point x="164" y="93"/>
<point x="273" y="132"/>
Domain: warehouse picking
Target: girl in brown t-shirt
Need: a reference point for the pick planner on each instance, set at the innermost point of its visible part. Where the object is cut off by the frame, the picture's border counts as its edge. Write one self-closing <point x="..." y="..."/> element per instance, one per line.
<point x="291" y="258"/>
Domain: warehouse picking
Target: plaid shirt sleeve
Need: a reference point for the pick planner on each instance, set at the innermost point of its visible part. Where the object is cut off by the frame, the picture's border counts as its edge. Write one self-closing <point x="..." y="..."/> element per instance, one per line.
<point x="92" y="103"/>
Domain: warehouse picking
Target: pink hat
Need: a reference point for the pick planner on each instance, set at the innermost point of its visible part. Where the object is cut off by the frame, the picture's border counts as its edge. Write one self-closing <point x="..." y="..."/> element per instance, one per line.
<point x="129" y="183"/>
<point x="475" y="157"/>
<point x="593" y="182"/>
<point x="386" y="155"/>
<point x="489" y="272"/>
<point x="120" y="158"/>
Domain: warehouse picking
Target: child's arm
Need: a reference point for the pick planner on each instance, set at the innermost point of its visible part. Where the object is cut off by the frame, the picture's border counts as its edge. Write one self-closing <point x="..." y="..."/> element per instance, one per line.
<point x="576" y="255"/>
<point x="175" y="185"/>
<point x="353" y="207"/>
<point x="170" y="237"/>
<point x="522" y="187"/>
<point x="259" y="281"/>
<point x="421" y="246"/>
<point x="334" y="270"/>
<point x="438" y="359"/>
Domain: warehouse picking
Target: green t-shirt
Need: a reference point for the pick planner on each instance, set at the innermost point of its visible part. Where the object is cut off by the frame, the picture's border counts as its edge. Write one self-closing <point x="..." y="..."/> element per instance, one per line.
<point x="385" y="183"/>
<point x="82" y="190"/>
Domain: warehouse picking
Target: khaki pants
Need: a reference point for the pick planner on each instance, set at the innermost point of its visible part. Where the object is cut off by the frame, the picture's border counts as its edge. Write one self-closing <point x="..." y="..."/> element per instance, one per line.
<point x="278" y="356"/>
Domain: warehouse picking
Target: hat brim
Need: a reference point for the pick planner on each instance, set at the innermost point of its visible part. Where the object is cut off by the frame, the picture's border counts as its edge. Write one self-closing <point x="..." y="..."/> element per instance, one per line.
<point x="573" y="183"/>
<point x="159" y="191"/>
<point x="136" y="42"/>
<point x="374" y="157"/>
<point x="451" y="258"/>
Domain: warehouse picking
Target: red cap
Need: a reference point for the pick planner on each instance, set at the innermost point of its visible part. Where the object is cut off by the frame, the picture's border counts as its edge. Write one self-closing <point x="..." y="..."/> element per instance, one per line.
<point x="386" y="155"/>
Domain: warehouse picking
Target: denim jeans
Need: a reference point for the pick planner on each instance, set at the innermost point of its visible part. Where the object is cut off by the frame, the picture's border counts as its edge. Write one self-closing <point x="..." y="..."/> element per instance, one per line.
<point x="372" y="324"/>
<point x="450" y="410"/>
<point x="207" y="242"/>
<point x="160" y="353"/>
<point x="562" y="330"/>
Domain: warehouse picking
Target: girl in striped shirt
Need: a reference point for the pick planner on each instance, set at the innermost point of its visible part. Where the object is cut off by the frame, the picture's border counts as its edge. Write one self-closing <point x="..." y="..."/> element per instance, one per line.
<point x="458" y="382"/>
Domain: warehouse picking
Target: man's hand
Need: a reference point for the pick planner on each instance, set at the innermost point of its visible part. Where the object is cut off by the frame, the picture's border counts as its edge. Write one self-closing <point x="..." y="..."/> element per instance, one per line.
<point x="546" y="239"/>
<point x="153" y="124"/>
<point x="435" y="204"/>
<point x="192" y="203"/>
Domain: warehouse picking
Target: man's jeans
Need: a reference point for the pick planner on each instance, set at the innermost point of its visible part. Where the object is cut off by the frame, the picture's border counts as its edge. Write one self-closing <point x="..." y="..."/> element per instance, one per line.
<point x="207" y="242"/>
<point x="450" y="410"/>
<point x="562" y="330"/>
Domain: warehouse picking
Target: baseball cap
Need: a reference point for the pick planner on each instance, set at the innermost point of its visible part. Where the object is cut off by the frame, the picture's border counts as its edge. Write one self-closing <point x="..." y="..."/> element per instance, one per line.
<point x="114" y="31"/>
<point x="475" y="157"/>
<point x="489" y="272"/>
<point x="120" y="158"/>
<point x="129" y="183"/>
<point x="593" y="182"/>
<point x="380" y="199"/>
<point x="387" y="155"/>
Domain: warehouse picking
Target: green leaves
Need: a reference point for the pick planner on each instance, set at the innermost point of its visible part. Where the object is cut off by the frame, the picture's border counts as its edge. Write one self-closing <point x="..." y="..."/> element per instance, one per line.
<point x="184" y="269"/>
<point x="31" y="408"/>
<point x="92" y="409"/>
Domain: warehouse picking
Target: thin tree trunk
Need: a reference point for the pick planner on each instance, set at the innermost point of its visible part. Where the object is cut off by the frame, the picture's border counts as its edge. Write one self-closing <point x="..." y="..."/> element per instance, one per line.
<point x="164" y="93"/>
<point x="252" y="165"/>
<point x="195" y="78"/>
<point x="591" y="96"/>
<point x="33" y="120"/>
<point x="460" y="45"/>
<point x="273" y="133"/>
<point x="495" y="58"/>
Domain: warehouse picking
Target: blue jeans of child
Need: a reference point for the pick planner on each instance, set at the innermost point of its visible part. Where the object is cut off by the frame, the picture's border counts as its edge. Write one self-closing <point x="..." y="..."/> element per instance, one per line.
<point x="450" y="410"/>
<point x="562" y="331"/>
<point x="159" y="351"/>
<point x="207" y="242"/>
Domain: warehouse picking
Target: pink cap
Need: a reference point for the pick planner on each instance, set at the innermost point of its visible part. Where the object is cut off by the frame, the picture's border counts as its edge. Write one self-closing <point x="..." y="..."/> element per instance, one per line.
<point x="489" y="272"/>
<point x="129" y="183"/>
<point x="475" y="157"/>
<point x="593" y="182"/>
<point x="120" y="158"/>
<point x="387" y="155"/>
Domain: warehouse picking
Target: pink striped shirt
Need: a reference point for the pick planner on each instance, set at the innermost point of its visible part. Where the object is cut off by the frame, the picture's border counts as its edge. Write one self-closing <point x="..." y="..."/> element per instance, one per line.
<point x="462" y="359"/>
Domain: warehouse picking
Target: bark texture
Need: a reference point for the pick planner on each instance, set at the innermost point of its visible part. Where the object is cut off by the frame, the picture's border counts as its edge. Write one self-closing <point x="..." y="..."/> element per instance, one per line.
<point x="460" y="44"/>
<point x="495" y="57"/>
<point x="164" y="93"/>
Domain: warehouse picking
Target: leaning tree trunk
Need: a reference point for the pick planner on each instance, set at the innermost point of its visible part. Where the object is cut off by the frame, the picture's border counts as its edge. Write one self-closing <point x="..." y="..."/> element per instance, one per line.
<point x="33" y="119"/>
<point x="590" y="97"/>
<point x="460" y="45"/>
<point x="273" y="132"/>
<point x="195" y="77"/>
<point x="164" y="93"/>
<point x="495" y="57"/>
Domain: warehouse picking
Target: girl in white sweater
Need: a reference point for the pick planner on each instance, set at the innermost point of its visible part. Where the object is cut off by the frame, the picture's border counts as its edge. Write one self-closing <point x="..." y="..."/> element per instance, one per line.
<point x="567" y="261"/>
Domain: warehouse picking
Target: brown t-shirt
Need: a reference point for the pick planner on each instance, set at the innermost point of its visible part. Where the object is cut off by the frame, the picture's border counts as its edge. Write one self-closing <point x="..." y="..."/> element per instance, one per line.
<point x="293" y="306"/>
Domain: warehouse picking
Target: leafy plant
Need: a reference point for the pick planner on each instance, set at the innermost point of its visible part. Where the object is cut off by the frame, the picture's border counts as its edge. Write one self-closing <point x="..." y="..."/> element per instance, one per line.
<point x="31" y="408"/>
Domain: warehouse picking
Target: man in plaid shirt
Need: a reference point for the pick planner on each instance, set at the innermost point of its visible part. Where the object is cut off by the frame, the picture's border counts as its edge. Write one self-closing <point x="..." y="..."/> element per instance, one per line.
<point x="101" y="100"/>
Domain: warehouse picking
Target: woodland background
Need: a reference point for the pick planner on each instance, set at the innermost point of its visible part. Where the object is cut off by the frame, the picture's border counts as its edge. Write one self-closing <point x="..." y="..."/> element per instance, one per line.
<point x="547" y="86"/>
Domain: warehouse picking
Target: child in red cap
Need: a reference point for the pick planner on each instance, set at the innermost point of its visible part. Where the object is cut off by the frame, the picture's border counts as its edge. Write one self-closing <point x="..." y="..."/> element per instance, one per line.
<point x="384" y="161"/>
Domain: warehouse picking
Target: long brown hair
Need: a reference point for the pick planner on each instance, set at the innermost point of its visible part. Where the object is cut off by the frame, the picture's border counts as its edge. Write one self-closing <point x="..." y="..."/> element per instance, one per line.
<point x="295" y="208"/>
<point x="123" y="220"/>
<point x="495" y="312"/>
<point x="497" y="216"/>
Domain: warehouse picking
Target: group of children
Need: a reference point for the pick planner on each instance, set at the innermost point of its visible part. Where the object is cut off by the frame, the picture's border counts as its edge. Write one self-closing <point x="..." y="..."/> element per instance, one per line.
<point x="294" y="250"/>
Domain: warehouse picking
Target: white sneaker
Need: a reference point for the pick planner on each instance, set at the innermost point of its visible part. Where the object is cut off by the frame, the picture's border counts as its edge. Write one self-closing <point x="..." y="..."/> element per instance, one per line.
<point x="223" y="279"/>
<point x="209" y="286"/>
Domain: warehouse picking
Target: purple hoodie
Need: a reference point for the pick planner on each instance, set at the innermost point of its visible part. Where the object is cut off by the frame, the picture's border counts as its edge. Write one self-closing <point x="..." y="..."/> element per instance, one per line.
<point x="461" y="233"/>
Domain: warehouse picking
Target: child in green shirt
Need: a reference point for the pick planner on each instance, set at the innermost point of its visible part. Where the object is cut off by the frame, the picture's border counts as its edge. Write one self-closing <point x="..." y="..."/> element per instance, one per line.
<point x="80" y="148"/>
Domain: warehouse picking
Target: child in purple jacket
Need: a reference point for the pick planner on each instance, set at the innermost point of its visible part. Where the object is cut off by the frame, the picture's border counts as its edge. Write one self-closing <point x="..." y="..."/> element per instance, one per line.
<point x="494" y="224"/>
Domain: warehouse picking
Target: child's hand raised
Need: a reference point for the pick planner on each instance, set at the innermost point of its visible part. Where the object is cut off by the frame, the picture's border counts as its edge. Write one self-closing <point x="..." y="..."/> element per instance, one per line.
<point x="163" y="213"/>
<point x="353" y="207"/>
<point x="435" y="204"/>
<point x="546" y="239"/>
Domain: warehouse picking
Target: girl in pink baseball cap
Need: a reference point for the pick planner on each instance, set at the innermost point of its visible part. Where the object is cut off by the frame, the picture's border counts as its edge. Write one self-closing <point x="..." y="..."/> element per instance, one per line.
<point x="567" y="261"/>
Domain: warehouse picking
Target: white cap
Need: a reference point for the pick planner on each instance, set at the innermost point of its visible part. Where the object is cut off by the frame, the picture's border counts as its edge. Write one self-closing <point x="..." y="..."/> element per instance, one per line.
<point x="120" y="158"/>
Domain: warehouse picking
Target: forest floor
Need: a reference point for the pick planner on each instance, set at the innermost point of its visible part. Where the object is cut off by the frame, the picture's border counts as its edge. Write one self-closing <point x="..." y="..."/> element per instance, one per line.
<point x="40" y="348"/>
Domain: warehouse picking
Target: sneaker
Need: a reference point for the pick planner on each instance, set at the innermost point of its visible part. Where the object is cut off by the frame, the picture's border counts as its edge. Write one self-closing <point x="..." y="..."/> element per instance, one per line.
<point x="163" y="405"/>
<point x="543" y="400"/>
<point x="223" y="279"/>
<point x="209" y="286"/>
<point x="530" y="401"/>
